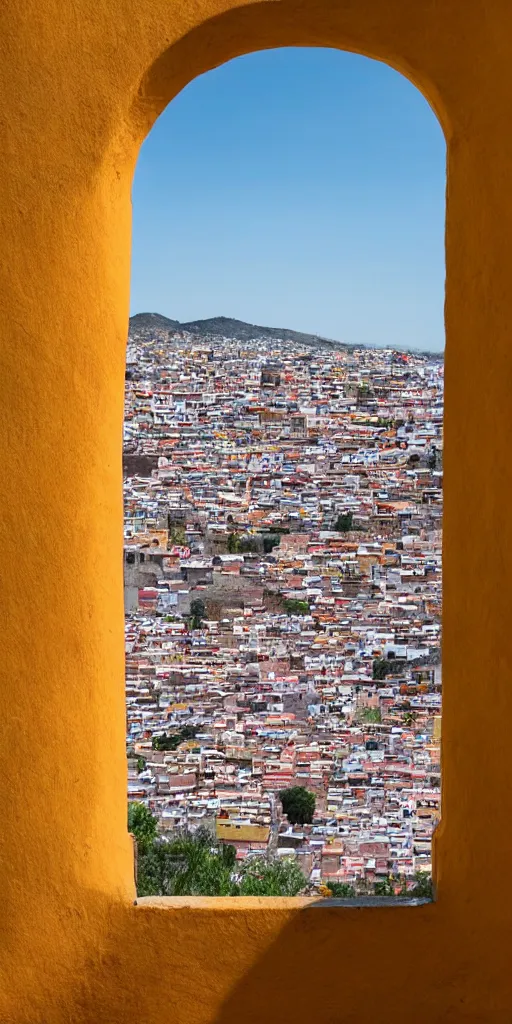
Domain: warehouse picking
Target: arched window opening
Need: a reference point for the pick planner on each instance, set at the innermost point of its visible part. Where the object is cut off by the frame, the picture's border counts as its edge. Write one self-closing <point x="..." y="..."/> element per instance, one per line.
<point x="283" y="485"/>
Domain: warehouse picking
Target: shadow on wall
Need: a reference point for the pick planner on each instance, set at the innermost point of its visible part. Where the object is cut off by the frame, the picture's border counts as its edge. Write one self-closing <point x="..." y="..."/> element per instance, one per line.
<point x="192" y="964"/>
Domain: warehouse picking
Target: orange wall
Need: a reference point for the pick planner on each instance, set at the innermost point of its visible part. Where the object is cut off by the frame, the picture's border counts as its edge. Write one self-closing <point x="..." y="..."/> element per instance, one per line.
<point x="81" y="84"/>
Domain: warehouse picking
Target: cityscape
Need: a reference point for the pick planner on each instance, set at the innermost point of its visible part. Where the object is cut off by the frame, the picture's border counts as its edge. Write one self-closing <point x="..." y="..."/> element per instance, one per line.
<point x="282" y="566"/>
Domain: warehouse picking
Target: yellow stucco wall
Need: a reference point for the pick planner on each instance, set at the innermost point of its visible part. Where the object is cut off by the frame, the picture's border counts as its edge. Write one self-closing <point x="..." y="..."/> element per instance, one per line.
<point x="81" y="84"/>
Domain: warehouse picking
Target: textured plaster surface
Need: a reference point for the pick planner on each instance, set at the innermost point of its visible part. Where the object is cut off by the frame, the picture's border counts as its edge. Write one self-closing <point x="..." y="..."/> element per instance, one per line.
<point x="81" y="85"/>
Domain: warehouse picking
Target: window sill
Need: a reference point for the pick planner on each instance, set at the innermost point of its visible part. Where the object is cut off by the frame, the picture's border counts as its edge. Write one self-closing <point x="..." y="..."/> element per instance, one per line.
<point x="238" y="903"/>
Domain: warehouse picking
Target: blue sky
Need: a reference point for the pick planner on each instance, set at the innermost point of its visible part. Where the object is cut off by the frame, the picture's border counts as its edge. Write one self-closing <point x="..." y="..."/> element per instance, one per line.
<point x="296" y="188"/>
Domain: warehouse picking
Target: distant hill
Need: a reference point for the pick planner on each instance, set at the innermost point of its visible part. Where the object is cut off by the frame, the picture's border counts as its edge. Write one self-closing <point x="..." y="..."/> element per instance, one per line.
<point x="153" y="321"/>
<point x="238" y="330"/>
<point x="225" y="327"/>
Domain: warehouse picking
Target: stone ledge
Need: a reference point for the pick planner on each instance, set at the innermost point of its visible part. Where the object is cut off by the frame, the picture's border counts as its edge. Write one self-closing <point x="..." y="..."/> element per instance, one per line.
<point x="243" y="903"/>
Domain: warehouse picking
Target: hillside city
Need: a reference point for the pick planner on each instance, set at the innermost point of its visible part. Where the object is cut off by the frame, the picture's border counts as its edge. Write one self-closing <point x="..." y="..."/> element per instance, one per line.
<point x="282" y="585"/>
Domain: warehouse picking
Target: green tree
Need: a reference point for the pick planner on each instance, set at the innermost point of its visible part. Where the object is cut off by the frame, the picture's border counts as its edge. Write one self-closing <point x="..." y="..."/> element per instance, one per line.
<point x="228" y="854"/>
<point x="188" y="732"/>
<point x="233" y="544"/>
<point x="385" y="887"/>
<point x="197" y="613"/>
<point x="271" y="541"/>
<point x="172" y="740"/>
<point x="292" y="606"/>
<point x="143" y="825"/>
<point x="280" y="876"/>
<point x="141" y="764"/>
<point x="422" y="888"/>
<point x="248" y="544"/>
<point x="344" y="522"/>
<point x="363" y="392"/>
<point x="383" y="667"/>
<point x="169" y="741"/>
<point x="189" y="864"/>
<point x="298" y="804"/>
<point x="370" y="715"/>
<point x="197" y="864"/>
<point x="341" y="890"/>
<point x="177" y="535"/>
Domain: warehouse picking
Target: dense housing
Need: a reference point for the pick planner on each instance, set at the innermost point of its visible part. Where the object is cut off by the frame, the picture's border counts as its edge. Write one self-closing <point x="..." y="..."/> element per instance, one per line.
<point x="296" y="493"/>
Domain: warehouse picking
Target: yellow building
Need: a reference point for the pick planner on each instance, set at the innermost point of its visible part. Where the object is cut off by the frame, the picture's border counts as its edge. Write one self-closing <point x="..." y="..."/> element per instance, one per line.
<point x="232" y="831"/>
<point x="82" y="84"/>
<point x="437" y="728"/>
